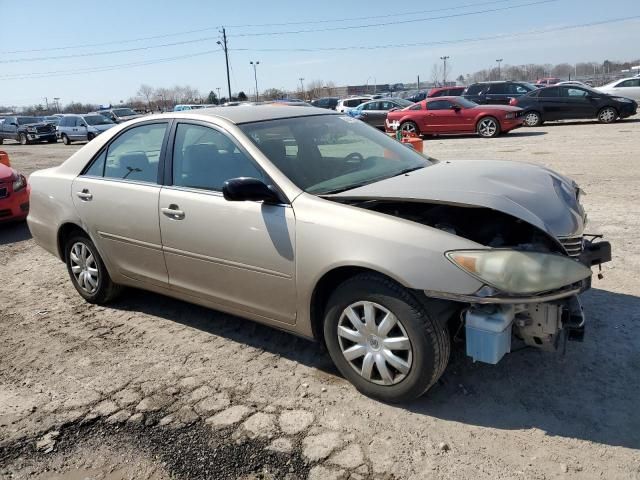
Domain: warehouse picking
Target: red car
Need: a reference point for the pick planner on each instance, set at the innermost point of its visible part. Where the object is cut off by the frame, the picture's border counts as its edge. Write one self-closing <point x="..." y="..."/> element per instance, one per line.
<point x="446" y="91"/>
<point x="453" y="115"/>
<point x="14" y="194"/>
<point x="545" y="82"/>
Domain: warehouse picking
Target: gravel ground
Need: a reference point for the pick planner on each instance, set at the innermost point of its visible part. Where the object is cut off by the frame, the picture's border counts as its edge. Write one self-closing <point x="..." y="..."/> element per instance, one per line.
<point x="152" y="387"/>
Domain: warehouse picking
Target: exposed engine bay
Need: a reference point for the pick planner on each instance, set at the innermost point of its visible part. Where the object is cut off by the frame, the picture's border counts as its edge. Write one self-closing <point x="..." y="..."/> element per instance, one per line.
<point x="481" y="225"/>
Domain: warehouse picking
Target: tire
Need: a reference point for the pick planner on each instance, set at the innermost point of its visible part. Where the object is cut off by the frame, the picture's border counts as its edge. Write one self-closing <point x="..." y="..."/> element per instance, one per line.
<point x="96" y="286"/>
<point x="65" y="139"/>
<point x="488" y="127"/>
<point x="90" y="136"/>
<point x="532" y="119"/>
<point x="410" y="127"/>
<point x="22" y="138"/>
<point x="607" y="115"/>
<point x="424" y="356"/>
<point x="1" y="141"/>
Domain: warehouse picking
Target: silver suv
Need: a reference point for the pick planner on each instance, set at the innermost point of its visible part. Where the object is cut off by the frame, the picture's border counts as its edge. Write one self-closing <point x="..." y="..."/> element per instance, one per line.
<point x="82" y="127"/>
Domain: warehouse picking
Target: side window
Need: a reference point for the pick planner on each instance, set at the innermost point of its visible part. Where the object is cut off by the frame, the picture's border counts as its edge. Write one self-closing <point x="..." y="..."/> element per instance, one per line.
<point x="572" y="92"/>
<point x="368" y="106"/>
<point x="475" y="89"/>
<point x="517" y="89"/>
<point x="439" y="105"/>
<point x="498" y="89"/>
<point x="385" y="105"/>
<point x="77" y="122"/>
<point x="629" y="83"/>
<point x="205" y="158"/>
<point x="97" y="167"/>
<point x="135" y="154"/>
<point x="62" y="122"/>
<point x="549" y="92"/>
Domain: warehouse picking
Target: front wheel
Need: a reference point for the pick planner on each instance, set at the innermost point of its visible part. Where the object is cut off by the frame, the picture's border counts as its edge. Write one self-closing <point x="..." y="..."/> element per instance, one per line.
<point x="383" y="340"/>
<point x="90" y="136"/>
<point x="410" y="127"/>
<point x="22" y="138"/>
<point x="488" y="127"/>
<point x="532" y="119"/>
<point x="87" y="271"/>
<point x="607" y="115"/>
<point x="65" y="140"/>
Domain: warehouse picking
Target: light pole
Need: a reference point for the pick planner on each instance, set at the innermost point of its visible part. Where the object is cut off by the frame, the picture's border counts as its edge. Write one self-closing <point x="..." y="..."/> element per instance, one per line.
<point x="444" y="69"/>
<point x="255" y="76"/>
<point x="302" y="87"/>
<point x="499" y="61"/>
<point x="57" y="100"/>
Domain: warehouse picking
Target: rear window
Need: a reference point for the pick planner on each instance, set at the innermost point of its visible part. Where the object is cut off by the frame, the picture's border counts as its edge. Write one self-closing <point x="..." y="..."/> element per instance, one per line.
<point x="475" y="89"/>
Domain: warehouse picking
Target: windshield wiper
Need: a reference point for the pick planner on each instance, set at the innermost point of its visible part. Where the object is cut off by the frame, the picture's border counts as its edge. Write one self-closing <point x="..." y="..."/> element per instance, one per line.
<point x="406" y="170"/>
<point x="344" y="189"/>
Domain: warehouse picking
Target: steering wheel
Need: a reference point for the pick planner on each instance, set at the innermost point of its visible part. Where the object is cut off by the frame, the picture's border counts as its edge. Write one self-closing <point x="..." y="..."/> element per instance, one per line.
<point x="354" y="157"/>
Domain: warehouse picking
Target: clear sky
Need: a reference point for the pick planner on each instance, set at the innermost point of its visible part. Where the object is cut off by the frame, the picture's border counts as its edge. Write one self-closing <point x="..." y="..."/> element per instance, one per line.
<point x="191" y="27"/>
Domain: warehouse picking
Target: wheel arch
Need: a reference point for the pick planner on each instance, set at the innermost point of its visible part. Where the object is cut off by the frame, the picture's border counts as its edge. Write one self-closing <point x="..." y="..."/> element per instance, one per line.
<point x="326" y="285"/>
<point x="64" y="232"/>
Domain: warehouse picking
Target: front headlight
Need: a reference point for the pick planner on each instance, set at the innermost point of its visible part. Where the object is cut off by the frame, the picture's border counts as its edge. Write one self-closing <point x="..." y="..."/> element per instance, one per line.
<point x="510" y="115"/>
<point x="31" y="129"/>
<point x="19" y="183"/>
<point x="519" y="272"/>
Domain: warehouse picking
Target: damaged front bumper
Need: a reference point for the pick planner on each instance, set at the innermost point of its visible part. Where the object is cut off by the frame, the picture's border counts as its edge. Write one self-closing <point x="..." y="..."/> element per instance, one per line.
<point x="544" y="321"/>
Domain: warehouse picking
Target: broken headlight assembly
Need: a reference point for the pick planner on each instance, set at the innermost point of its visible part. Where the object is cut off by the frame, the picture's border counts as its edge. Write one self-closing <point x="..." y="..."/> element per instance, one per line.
<point x="519" y="272"/>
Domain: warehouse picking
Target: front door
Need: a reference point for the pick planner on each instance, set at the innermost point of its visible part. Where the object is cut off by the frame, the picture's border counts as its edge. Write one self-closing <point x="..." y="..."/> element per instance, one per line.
<point x="117" y="200"/>
<point x="239" y="255"/>
<point x="577" y="103"/>
<point x="442" y="118"/>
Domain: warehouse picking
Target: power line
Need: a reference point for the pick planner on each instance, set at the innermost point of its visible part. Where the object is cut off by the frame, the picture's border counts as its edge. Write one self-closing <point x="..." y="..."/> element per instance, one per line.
<point x="396" y="22"/>
<point x="188" y="32"/>
<point x="371" y="17"/>
<point x="362" y="47"/>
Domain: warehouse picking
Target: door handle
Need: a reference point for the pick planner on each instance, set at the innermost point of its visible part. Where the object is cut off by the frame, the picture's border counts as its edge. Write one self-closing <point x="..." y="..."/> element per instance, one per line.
<point x="84" y="195"/>
<point x="173" y="211"/>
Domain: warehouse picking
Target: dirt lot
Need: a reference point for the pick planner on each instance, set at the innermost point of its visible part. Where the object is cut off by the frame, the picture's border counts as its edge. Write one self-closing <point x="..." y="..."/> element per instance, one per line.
<point x="155" y="388"/>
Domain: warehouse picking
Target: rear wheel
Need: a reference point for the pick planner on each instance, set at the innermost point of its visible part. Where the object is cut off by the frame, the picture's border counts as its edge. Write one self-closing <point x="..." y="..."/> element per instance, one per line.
<point x="22" y="138"/>
<point x="532" y="119"/>
<point x="65" y="139"/>
<point x="87" y="271"/>
<point x="607" y="115"/>
<point x="383" y="340"/>
<point x="410" y="127"/>
<point x="488" y="127"/>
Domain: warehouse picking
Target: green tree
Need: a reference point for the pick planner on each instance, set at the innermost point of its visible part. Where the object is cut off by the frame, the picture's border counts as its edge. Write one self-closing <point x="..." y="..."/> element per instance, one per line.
<point x="212" y="98"/>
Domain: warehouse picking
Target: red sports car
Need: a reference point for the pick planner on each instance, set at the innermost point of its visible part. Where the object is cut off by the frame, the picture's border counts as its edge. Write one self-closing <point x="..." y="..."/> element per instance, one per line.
<point x="14" y="194"/>
<point x="453" y="115"/>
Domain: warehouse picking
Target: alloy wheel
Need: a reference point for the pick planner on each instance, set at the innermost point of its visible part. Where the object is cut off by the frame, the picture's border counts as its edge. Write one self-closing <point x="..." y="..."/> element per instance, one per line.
<point x="607" y="115"/>
<point x="408" y="127"/>
<point x="487" y="127"/>
<point x="375" y="343"/>
<point x="84" y="268"/>
<point x="532" y="119"/>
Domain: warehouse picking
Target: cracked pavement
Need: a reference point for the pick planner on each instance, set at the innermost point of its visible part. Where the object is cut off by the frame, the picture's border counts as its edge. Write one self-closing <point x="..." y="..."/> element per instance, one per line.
<point x="151" y="387"/>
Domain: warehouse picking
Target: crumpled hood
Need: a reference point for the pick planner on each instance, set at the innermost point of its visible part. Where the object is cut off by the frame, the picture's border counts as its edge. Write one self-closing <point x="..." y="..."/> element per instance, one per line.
<point x="529" y="192"/>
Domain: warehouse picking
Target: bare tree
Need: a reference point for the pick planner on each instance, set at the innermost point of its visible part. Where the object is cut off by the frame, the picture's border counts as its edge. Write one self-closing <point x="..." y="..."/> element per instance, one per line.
<point x="436" y="73"/>
<point x="147" y="92"/>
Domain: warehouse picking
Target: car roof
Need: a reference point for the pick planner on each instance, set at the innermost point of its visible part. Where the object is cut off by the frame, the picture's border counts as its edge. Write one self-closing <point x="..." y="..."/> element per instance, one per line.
<point x="257" y="113"/>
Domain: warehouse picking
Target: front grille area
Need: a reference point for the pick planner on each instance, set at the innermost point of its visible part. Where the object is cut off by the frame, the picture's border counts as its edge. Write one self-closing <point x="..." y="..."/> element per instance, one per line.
<point x="5" y="213"/>
<point x="44" y="129"/>
<point x="4" y="192"/>
<point x="573" y="245"/>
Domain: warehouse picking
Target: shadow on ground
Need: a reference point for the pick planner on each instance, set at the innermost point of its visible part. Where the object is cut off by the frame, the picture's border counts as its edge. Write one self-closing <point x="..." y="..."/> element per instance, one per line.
<point x="513" y="133"/>
<point x="13" y="232"/>
<point x="590" y="393"/>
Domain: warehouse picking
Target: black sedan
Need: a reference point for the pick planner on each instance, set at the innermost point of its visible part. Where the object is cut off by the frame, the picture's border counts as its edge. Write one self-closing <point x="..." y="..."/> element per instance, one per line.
<point x="375" y="113"/>
<point x="567" y="102"/>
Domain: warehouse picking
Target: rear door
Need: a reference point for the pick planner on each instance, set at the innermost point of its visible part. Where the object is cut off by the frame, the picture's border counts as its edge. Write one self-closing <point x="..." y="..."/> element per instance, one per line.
<point x="552" y="105"/>
<point x="238" y="255"/>
<point x="117" y="199"/>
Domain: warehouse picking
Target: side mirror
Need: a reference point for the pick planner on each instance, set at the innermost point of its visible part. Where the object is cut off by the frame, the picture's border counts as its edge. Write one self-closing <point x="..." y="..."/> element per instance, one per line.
<point x="14" y="124"/>
<point x="249" y="189"/>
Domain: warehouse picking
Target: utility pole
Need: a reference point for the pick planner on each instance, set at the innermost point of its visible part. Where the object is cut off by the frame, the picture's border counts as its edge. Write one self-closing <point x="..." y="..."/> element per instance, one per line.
<point x="499" y="61"/>
<point x="255" y="76"/>
<point x="444" y="70"/>
<point x="223" y="44"/>
<point x="57" y="100"/>
<point x="302" y="87"/>
<point x="46" y="101"/>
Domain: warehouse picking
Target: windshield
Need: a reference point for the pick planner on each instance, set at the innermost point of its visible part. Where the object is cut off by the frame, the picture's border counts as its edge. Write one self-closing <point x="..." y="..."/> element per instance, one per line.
<point x="124" y="112"/>
<point x="464" y="103"/>
<point x="28" y="120"/>
<point x="97" y="120"/>
<point x="332" y="153"/>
